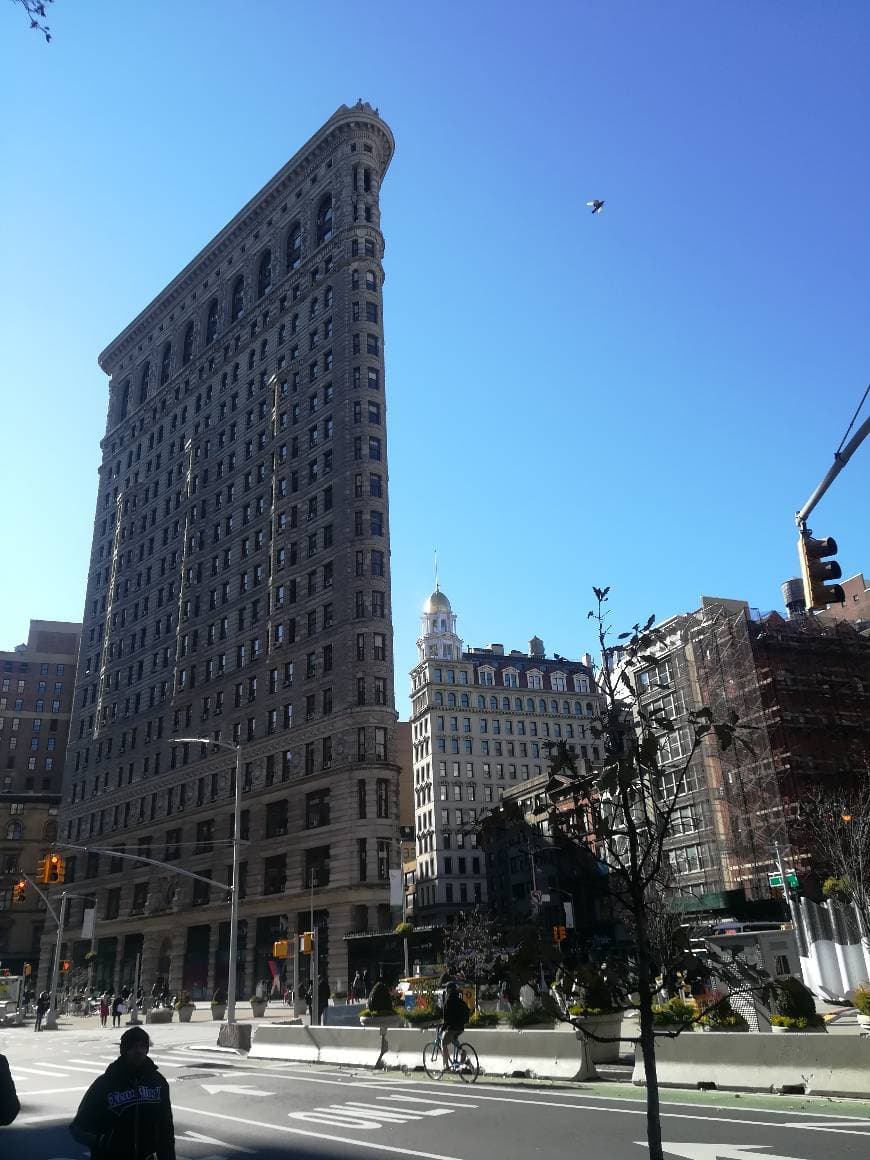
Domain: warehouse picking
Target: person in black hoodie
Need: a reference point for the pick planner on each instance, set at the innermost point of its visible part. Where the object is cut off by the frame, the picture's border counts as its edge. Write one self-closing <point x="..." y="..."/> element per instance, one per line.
<point x="126" y="1114"/>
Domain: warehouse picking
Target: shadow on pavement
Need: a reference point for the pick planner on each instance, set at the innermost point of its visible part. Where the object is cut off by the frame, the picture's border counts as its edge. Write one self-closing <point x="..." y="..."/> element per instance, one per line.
<point x="53" y="1142"/>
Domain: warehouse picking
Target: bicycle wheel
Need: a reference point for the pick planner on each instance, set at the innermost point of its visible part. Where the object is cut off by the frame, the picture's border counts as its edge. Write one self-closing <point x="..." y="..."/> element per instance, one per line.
<point x="470" y="1069"/>
<point x="433" y="1064"/>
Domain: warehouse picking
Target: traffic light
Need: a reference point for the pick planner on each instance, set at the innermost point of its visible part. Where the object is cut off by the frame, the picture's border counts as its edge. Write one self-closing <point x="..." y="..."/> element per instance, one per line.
<point x="65" y="965"/>
<point x="55" y="868"/>
<point x="42" y="869"/>
<point x="279" y="949"/>
<point x="815" y="571"/>
<point x="305" y="942"/>
<point x="19" y="890"/>
<point x="559" y="934"/>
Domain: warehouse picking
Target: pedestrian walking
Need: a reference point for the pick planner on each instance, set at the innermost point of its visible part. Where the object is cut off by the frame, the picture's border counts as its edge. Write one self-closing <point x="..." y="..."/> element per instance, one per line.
<point x="322" y="998"/>
<point x="126" y="1113"/>
<point x="9" y="1105"/>
<point x="504" y="996"/>
<point x="358" y="987"/>
<point x="42" y="1005"/>
<point x="104" y="1009"/>
<point x="118" y="1008"/>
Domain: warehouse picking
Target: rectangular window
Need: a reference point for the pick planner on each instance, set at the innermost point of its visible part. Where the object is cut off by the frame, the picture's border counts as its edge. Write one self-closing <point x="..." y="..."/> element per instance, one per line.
<point x="383" y="797"/>
<point x="317" y="809"/>
<point x="316" y="870"/>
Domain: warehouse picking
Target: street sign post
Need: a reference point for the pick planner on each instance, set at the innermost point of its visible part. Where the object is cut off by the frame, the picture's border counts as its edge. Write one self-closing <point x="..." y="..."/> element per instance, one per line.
<point x="775" y="880"/>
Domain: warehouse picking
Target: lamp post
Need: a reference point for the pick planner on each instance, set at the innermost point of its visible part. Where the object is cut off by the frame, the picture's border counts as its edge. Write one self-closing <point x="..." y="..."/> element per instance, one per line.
<point x="234" y="887"/>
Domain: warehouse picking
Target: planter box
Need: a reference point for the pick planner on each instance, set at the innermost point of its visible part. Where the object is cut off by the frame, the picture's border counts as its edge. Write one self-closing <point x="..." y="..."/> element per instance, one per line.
<point x="159" y="1015"/>
<point x="607" y="1025"/>
<point x="864" y="1021"/>
<point x="258" y="1010"/>
<point x="218" y="1010"/>
<point x="798" y="1030"/>
<point x="184" y="1013"/>
<point x="382" y="1021"/>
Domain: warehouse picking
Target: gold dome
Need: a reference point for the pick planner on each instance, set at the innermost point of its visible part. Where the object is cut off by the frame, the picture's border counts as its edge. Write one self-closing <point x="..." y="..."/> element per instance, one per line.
<point x="437" y="602"/>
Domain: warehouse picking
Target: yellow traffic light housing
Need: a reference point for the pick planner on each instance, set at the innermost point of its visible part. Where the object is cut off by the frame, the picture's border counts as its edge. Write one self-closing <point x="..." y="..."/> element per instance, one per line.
<point x="55" y="868"/>
<point x="305" y="941"/>
<point x="280" y="949"/>
<point x="42" y="870"/>
<point x="815" y="571"/>
<point x="19" y="890"/>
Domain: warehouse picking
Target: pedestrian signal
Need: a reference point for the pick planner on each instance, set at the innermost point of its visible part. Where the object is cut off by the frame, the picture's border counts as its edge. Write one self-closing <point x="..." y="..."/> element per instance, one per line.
<point x="559" y="934"/>
<point x="279" y="949"/>
<point x="65" y="965"/>
<point x="19" y="890"/>
<point x="305" y="941"/>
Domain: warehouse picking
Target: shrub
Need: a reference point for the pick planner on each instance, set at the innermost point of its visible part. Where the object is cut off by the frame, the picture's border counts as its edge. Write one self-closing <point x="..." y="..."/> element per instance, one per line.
<point x="792" y="999"/>
<point x="674" y="1012"/>
<point x="483" y="1019"/>
<point x="219" y="997"/>
<point x="597" y="992"/>
<point x="798" y="1022"/>
<point x="257" y="999"/>
<point x="722" y="1015"/>
<point x="183" y="1000"/>
<point x="420" y="1016"/>
<point x="519" y="1017"/>
<point x="403" y="928"/>
<point x="862" y="998"/>
<point x="578" y="1012"/>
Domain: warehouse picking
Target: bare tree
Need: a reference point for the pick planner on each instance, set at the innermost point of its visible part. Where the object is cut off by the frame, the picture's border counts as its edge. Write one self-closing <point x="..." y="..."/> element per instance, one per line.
<point x="625" y="808"/>
<point x="472" y="946"/>
<point x="836" y="828"/>
<point x="35" y="10"/>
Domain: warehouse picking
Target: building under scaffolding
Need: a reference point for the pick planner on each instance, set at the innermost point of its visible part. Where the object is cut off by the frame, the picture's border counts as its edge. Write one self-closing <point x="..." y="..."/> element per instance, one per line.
<point x="801" y="690"/>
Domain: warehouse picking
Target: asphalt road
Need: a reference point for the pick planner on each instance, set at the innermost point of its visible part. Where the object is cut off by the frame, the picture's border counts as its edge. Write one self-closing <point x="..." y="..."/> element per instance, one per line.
<point x="228" y="1107"/>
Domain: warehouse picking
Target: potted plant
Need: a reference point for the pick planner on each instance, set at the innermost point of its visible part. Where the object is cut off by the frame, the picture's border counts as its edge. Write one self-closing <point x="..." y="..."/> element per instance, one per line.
<point x="595" y="1013"/>
<point x="674" y="1012"/>
<point x="258" y="1006"/>
<point x="862" y="1004"/>
<point x="795" y="1008"/>
<point x="381" y="1010"/>
<point x="184" y="1006"/>
<point x="219" y="1004"/>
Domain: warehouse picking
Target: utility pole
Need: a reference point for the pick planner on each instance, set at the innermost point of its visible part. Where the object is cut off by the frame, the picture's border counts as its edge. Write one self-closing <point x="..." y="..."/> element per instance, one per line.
<point x="50" y="1022"/>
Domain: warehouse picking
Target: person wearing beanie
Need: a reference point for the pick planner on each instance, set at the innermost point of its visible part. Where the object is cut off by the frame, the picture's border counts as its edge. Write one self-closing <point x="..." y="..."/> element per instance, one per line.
<point x="126" y="1114"/>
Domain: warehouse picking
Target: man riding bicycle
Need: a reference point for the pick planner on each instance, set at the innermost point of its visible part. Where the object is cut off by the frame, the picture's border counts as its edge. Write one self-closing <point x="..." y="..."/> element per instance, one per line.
<point x="456" y="1015"/>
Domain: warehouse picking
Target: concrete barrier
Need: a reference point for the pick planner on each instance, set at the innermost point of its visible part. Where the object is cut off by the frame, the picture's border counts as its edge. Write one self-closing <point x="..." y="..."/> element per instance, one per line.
<point x="541" y="1054"/>
<point x="404" y="1047"/>
<point x="271" y="1041"/>
<point x="834" y="1065"/>
<point x="354" y="1046"/>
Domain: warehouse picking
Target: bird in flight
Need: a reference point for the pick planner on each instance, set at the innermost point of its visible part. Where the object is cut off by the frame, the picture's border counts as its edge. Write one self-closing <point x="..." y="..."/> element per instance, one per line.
<point x="596" y="205"/>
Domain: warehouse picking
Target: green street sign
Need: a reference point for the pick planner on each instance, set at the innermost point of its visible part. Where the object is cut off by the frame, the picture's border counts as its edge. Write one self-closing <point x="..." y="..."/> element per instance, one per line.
<point x="776" y="879"/>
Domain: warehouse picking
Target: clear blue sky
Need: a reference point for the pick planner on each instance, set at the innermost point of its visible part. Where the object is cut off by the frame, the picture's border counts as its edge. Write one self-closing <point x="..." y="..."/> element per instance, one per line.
<point x="640" y="399"/>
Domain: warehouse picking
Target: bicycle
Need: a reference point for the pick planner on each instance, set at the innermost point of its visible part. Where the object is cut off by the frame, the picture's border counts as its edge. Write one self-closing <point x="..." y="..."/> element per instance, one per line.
<point x="463" y="1061"/>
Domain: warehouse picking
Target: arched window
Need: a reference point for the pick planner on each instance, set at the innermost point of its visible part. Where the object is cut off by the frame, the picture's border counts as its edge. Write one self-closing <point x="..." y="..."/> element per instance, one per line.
<point x="481" y="701"/>
<point x="294" y="247"/>
<point x="125" y="400"/>
<point x="13" y="831"/>
<point x="542" y="706"/>
<point x="451" y="700"/>
<point x="264" y="278"/>
<point x="554" y="707"/>
<point x="566" y="709"/>
<point x="463" y="701"/>
<point x="187" y="345"/>
<point x="327" y="298"/>
<point x="144" y="382"/>
<point x="211" y="325"/>
<point x="439" y="700"/>
<point x="324" y="220"/>
<point x="518" y="704"/>
<point x="589" y="708"/>
<point x="166" y="364"/>
<point x="530" y="705"/>
<point x="238" y="299"/>
<point x="493" y="704"/>
<point x="505" y="704"/>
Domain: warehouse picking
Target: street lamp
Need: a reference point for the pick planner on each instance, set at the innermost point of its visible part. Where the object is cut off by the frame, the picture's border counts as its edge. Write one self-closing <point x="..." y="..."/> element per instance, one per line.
<point x="234" y="888"/>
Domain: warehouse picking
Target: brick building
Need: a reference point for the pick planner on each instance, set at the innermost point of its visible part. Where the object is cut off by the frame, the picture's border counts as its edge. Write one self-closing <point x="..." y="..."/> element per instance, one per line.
<point x="36" y="693"/>
<point x="239" y="590"/>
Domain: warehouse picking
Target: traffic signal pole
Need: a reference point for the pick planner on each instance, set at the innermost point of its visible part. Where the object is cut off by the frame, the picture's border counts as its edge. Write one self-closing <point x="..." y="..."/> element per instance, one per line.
<point x="50" y="1022"/>
<point x="841" y="458"/>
